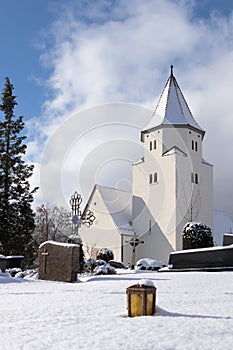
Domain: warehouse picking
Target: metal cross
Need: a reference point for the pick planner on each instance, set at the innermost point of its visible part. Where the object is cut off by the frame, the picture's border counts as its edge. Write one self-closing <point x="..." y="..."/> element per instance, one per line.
<point x="78" y="218"/>
<point x="75" y="203"/>
<point x="134" y="242"/>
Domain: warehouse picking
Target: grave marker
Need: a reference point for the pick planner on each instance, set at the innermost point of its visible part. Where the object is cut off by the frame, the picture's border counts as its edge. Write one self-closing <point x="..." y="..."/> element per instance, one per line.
<point x="59" y="261"/>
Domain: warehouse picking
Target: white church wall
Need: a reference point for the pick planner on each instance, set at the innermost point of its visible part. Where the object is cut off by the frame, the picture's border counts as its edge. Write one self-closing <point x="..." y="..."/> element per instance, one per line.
<point x="126" y="251"/>
<point x="172" y="136"/>
<point x="186" y="196"/>
<point x="167" y="218"/>
<point x="173" y="199"/>
<point x="140" y="180"/>
<point x="160" y="199"/>
<point x="98" y="238"/>
<point x="152" y="144"/>
<point x="103" y="233"/>
<point x="156" y="245"/>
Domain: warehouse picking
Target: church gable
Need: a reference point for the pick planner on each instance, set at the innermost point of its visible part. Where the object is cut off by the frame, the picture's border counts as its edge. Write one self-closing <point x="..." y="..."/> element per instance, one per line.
<point x="112" y="207"/>
<point x="174" y="150"/>
<point x="98" y="206"/>
<point x="119" y="206"/>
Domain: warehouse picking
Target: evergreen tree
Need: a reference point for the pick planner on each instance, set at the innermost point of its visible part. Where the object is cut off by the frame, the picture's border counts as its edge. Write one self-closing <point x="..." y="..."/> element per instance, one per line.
<point x="16" y="215"/>
<point x="197" y="235"/>
<point x="105" y="254"/>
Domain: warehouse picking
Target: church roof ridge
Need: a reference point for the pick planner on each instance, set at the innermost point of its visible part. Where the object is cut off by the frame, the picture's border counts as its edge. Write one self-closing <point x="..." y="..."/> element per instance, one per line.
<point x="172" y="108"/>
<point x="111" y="188"/>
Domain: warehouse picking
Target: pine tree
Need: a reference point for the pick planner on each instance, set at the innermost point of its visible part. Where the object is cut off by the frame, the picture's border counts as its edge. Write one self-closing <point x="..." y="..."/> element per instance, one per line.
<point x="16" y="215"/>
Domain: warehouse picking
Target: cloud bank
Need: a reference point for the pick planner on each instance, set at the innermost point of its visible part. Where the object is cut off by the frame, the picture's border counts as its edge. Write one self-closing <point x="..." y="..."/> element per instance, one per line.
<point x="120" y="51"/>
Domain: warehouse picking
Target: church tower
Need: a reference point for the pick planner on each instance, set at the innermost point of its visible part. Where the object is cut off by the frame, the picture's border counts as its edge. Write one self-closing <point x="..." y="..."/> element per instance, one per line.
<point x="173" y="179"/>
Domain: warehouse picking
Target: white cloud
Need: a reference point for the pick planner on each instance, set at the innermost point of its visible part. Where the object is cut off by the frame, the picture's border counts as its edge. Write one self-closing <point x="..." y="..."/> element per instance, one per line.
<point x="84" y="144"/>
<point x="121" y="51"/>
<point x="117" y="60"/>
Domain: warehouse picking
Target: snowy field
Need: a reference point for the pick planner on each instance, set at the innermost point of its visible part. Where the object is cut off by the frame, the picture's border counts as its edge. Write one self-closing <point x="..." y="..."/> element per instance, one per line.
<point x="194" y="311"/>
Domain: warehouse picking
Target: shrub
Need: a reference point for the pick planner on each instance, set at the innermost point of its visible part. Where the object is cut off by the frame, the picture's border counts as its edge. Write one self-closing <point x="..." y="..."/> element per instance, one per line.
<point x="104" y="270"/>
<point x="105" y="254"/>
<point x="197" y="235"/>
<point x="89" y="264"/>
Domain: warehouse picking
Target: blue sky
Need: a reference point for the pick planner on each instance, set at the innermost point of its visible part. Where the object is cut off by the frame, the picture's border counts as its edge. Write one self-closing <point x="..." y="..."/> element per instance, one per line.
<point x="23" y="25"/>
<point x="24" y="35"/>
<point x="65" y="56"/>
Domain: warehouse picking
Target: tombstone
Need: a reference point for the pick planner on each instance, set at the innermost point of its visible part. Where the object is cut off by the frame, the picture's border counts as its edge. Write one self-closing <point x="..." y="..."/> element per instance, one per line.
<point x="2" y="263"/>
<point x="15" y="261"/>
<point x="227" y="239"/>
<point x="219" y="258"/>
<point x="58" y="261"/>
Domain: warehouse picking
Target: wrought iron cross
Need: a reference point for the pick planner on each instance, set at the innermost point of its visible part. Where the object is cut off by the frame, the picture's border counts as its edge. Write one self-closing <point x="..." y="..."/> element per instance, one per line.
<point x="78" y="218"/>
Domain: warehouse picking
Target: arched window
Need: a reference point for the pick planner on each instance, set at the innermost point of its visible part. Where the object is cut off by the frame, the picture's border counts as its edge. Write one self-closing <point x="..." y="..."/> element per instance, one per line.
<point x="150" y="179"/>
<point x="194" y="178"/>
<point x="153" y="178"/>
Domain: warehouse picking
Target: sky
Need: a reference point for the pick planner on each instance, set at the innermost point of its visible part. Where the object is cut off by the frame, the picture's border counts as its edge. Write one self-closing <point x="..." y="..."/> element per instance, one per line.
<point x="72" y="61"/>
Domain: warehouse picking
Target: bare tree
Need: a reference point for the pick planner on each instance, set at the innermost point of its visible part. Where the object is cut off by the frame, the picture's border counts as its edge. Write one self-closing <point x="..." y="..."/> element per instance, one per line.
<point x="91" y="250"/>
<point x="52" y="223"/>
<point x="194" y="207"/>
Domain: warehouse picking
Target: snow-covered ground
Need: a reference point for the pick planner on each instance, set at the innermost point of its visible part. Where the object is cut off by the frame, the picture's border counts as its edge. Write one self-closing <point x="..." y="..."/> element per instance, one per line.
<point x="194" y="311"/>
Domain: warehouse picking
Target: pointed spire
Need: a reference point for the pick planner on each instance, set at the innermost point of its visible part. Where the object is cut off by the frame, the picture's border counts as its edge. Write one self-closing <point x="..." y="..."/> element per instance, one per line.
<point x="171" y="70"/>
<point x="172" y="108"/>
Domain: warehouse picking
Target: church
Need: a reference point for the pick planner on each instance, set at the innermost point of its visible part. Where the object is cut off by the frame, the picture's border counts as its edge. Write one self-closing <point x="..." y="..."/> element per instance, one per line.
<point x="171" y="185"/>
